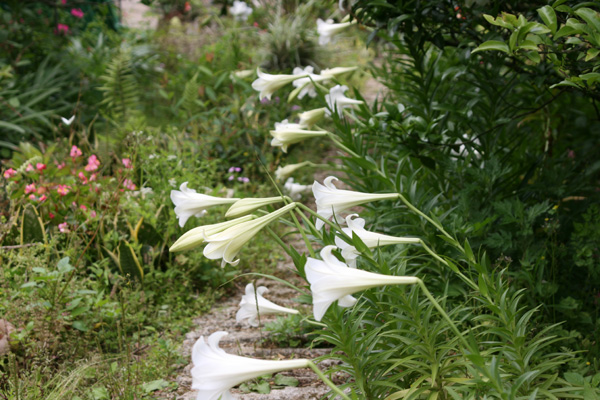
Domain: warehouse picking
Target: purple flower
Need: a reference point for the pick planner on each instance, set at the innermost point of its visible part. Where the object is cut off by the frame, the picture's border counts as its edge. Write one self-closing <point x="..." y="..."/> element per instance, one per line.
<point x="231" y="169"/>
<point x="237" y="169"/>
<point x="231" y="178"/>
<point x="296" y="107"/>
<point x="265" y="100"/>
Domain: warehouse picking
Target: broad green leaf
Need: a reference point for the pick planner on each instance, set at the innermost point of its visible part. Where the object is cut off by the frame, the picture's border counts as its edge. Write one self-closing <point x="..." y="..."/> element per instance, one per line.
<point x="152" y="386"/>
<point x="8" y="125"/>
<point x="591" y="78"/>
<point x="548" y="15"/>
<point x="590" y="16"/>
<point x="566" y="31"/>
<point x="498" y="22"/>
<point x="129" y="262"/>
<point x="592" y="53"/>
<point x="528" y="45"/>
<point x="283" y="380"/>
<point x="566" y="82"/>
<point x="32" y="227"/>
<point x="493" y="45"/>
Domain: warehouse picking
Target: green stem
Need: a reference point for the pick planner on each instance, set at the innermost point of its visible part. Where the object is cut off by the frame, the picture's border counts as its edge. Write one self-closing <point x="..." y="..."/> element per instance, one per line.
<point x="421" y="213"/>
<point x="339" y="144"/>
<point x="440" y="259"/>
<point x="326" y="221"/>
<point x="303" y="233"/>
<point x="308" y="222"/>
<point x="441" y="310"/>
<point x="327" y="381"/>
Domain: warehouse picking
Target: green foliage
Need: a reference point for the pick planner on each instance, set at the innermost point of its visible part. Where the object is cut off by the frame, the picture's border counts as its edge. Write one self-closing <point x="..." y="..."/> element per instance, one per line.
<point x="120" y="90"/>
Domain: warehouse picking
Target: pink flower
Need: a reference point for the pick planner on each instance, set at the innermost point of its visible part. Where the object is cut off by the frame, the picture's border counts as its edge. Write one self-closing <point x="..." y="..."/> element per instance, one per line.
<point x="127" y="163"/>
<point x="77" y="13"/>
<point x="51" y="215"/>
<point x="62" y="28"/>
<point x="64" y="227"/>
<point x="30" y="188"/>
<point x="129" y="184"/>
<point x="63" y="2"/>
<point x="83" y="178"/>
<point x="187" y="7"/>
<point x="75" y="152"/>
<point x="9" y="173"/>
<point x="93" y="177"/>
<point x="61" y="165"/>
<point x="43" y="198"/>
<point x="29" y="168"/>
<point x="63" y="190"/>
<point x="93" y="214"/>
<point x="82" y="207"/>
<point x="93" y="163"/>
<point x="40" y="167"/>
<point x="32" y="197"/>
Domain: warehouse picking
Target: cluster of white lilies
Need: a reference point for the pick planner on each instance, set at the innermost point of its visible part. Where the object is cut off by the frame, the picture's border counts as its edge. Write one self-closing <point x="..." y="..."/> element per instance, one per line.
<point x="215" y="372"/>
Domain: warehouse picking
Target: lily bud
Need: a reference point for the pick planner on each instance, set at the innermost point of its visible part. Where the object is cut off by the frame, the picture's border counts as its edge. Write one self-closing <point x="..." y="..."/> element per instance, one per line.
<point x="195" y="237"/>
<point x="246" y="206"/>
<point x="311" y="117"/>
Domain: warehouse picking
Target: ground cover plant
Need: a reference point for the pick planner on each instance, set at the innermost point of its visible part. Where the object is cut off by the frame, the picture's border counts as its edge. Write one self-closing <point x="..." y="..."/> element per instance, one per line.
<point x="452" y="253"/>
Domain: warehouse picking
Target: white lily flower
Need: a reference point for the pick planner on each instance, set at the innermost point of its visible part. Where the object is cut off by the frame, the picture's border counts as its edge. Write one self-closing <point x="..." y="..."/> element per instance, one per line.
<point x="370" y="239"/>
<point x="228" y="243"/>
<point x="244" y="73"/>
<point x="69" y="121"/>
<point x="248" y="309"/>
<point x="195" y="237"/>
<point x="245" y="206"/>
<point x="331" y="280"/>
<point x="331" y="72"/>
<point x="331" y="200"/>
<point x="283" y="172"/>
<point x="215" y="371"/>
<point x="336" y="100"/>
<point x="267" y="84"/>
<point x="188" y="203"/>
<point x="295" y="190"/>
<point x="240" y="11"/>
<point x="286" y="133"/>
<point x="311" y="117"/>
<point x="306" y="83"/>
<point x="328" y="29"/>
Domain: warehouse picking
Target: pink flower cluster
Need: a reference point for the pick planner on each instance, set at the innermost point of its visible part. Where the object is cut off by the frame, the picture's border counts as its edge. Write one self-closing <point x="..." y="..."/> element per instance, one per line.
<point x="77" y="13"/>
<point x="234" y="170"/>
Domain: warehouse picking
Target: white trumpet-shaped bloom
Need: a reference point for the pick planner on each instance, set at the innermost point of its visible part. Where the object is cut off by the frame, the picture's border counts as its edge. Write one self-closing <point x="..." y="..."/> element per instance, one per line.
<point x="332" y="201"/>
<point x="356" y="226"/>
<point x="295" y="190"/>
<point x="248" y="309"/>
<point x="215" y="372"/>
<point x="246" y="206"/>
<point x="228" y="243"/>
<point x="328" y="29"/>
<point x="282" y="173"/>
<point x="331" y="72"/>
<point x="240" y="10"/>
<point x="311" y="117"/>
<point x="267" y="84"/>
<point x="306" y="83"/>
<point x="286" y="133"/>
<point x="331" y="280"/>
<point x="189" y="203"/>
<point x="195" y="237"/>
<point x="336" y="100"/>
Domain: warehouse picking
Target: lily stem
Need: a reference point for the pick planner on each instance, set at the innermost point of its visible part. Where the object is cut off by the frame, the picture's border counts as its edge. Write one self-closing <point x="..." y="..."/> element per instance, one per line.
<point x="422" y="214"/>
<point x="441" y="310"/>
<point x="334" y="138"/>
<point x="440" y="259"/>
<point x="303" y="233"/>
<point x="327" y="381"/>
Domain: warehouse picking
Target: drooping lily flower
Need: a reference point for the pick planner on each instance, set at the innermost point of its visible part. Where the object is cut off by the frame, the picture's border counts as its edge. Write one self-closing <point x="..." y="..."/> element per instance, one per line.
<point x="267" y="84"/>
<point x="248" y="309"/>
<point x="336" y="100"/>
<point x="228" y="243"/>
<point x="240" y="11"/>
<point x="331" y="200"/>
<point x="246" y="206"/>
<point x="215" y="371"/>
<point x="295" y="190"/>
<point x="311" y="117"/>
<point x="195" y="237"/>
<point x="328" y="29"/>
<point x="188" y="203"/>
<point x="282" y="173"/>
<point x="286" y="133"/>
<point x="356" y="226"/>
<point x="331" y="280"/>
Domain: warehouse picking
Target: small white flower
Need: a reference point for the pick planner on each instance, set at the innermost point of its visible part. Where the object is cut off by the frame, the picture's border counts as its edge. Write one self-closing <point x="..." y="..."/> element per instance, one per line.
<point x="227" y="244"/>
<point x="331" y="280"/>
<point x="69" y="121"/>
<point x="152" y="156"/>
<point x="171" y="157"/>
<point x="356" y="226"/>
<point x="311" y="117"/>
<point x="248" y="309"/>
<point x="286" y="133"/>
<point x="336" y="100"/>
<point x="267" y="84"/>
<point x="247" y="205"/>
<point x="189" y="203"/>
<point x="327" y="30"/>
<point x="240" y="11"/>
<point x="173" y="182"/>
<point x="215" y="371"/>
<point x="295" y="190"/>
<point x="283" y="172"/>
<point x="195" y="237"/>
<point x="331" y="200"/>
